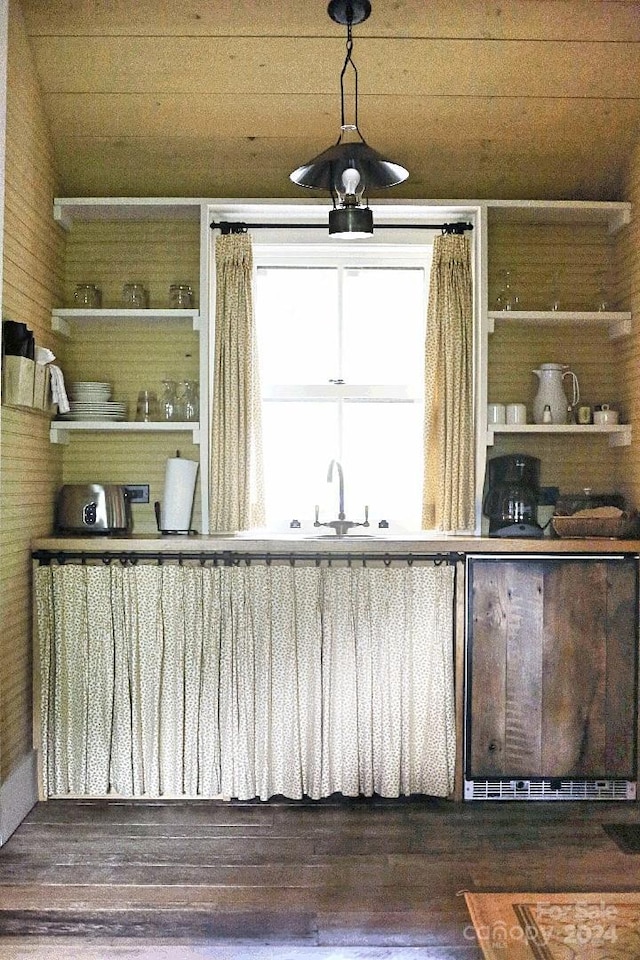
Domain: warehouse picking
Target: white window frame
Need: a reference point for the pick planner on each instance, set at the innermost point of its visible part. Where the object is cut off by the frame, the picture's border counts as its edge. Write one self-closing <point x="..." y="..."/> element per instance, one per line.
<point x="344" y="256"/>
<point x="386" y="212"/>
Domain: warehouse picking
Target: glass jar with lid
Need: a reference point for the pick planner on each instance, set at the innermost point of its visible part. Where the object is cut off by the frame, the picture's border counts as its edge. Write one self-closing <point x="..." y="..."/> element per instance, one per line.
<point x="181" y="296"/>
<point x="135" y="295"/>
<point x="87" y="295"/>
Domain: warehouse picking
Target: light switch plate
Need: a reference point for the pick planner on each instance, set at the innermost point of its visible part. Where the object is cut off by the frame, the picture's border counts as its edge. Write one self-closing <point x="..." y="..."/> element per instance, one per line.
<point x="138" y="492"/>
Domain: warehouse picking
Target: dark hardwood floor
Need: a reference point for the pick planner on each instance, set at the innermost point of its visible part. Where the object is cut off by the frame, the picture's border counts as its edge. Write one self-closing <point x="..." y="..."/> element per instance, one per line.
<point x="335" y="880"/>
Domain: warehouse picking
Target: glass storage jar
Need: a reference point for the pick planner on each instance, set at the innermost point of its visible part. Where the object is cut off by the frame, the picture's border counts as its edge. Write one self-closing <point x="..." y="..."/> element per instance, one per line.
<point x="134" y="295"/>
<point x="181" y="296"/>
<point x="87" y="295"/>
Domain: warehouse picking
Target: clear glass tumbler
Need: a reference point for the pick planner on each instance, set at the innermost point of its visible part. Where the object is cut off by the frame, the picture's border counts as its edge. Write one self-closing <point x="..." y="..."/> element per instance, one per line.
<point x="147" y="407"/>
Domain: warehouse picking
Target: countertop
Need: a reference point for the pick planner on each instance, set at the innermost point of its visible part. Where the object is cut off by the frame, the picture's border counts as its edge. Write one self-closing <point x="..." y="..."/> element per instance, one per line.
<point x="300" y="544"/>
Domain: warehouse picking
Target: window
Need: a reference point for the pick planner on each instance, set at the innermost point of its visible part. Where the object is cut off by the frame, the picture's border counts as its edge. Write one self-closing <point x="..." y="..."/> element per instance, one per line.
<point x="341" y="345"/>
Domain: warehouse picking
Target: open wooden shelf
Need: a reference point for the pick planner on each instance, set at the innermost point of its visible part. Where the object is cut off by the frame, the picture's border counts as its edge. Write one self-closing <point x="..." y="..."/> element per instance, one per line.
<point x="60" y="429"/>
<point x="619" y="434"/>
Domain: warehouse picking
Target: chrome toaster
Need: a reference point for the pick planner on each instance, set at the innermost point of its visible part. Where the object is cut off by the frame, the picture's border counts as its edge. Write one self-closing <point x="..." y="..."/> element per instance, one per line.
<point x="92" y="508"/>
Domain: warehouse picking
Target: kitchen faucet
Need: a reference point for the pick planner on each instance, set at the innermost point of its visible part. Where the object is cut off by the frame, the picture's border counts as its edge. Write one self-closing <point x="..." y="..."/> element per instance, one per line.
<point x="341" y="525"/>
<point x="338" y="465"/>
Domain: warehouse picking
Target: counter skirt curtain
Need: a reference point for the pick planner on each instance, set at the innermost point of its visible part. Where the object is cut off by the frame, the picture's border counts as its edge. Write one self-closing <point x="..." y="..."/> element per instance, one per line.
<point x="236" y="491"/>
<point x="248" y="680"/>
<point x="448" y="495"/>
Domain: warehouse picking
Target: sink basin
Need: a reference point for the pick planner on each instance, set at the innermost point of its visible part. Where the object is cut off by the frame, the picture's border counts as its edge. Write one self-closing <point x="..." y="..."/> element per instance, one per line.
<point x="296" y="535"/>
<point x="332" y="536"/>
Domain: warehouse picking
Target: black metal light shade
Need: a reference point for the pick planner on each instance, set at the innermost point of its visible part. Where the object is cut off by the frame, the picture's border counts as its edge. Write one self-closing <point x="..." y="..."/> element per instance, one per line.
<point x="325" y="170"/>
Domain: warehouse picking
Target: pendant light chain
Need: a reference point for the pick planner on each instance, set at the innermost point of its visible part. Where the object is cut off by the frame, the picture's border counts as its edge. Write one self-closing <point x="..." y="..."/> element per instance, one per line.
<point x="348" y="60"/>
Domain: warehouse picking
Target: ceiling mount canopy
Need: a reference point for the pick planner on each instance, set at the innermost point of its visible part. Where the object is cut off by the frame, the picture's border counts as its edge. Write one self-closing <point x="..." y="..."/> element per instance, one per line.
<point x="349" y="168"/>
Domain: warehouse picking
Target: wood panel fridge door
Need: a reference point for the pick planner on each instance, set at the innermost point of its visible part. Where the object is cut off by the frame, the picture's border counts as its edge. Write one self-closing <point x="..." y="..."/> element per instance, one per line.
<point x="551" y="668"/>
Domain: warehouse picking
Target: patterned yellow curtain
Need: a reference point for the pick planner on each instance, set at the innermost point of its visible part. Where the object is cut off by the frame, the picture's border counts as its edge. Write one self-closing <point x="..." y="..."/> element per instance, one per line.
<point x="249" y="680"/>
<point x="448" y="494"/>
<point x="236" y="492"/>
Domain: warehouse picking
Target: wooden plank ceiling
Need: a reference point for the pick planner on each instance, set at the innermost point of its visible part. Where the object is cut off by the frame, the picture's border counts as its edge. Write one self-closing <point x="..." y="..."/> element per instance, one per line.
<point x="521" y="98"/>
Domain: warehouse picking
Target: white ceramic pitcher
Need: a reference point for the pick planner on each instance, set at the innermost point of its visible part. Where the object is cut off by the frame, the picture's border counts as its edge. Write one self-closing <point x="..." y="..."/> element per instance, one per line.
<point x="551" y="392"/>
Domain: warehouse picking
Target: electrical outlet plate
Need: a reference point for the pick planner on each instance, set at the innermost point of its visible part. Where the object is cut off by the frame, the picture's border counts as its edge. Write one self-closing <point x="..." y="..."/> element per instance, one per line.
<point x="138" y="492"/>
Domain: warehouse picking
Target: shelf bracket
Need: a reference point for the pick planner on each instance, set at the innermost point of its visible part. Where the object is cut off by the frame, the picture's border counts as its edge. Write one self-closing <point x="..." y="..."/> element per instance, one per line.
<point x="620" y="219"/>
<point x="58" y="434"/>
<point x="621" y="439"/>
<point x="620" y="328"/>
<point x="58" y="325"/>
<point x="65" y="221"/>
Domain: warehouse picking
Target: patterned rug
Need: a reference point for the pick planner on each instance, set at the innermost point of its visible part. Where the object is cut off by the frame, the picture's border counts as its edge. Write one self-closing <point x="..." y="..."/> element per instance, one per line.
<point x="556" y="926"/>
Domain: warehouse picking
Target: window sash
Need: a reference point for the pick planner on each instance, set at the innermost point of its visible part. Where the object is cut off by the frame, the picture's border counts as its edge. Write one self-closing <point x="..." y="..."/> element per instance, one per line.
<point x="332" y="392"/>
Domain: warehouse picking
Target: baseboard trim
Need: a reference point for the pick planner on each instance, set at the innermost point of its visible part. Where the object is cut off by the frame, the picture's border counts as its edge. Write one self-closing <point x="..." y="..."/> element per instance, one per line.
<point x="18" y="794"/>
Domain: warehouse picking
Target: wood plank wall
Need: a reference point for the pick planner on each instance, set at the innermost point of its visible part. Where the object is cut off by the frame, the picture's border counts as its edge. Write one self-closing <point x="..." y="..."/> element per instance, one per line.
<point x="574" y="262"/>
<point x="30" y="468"/>
<point x="628" y="280"/>
<point x="132" y="355"/>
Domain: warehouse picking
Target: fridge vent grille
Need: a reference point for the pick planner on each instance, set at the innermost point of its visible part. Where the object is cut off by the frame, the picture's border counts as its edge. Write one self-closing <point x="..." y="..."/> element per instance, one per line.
<point x="541" y="789"/>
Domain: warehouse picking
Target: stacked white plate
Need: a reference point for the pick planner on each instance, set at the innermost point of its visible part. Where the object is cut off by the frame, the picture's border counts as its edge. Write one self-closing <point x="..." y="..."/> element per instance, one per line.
<point x="88" y="391"/>
<point x="96" y="410"/>
<point x="91" y="402"/>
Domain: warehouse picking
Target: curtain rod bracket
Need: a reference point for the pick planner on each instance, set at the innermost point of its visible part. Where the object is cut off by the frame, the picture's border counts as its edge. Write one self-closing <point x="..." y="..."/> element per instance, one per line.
<point x="228" y="226"/>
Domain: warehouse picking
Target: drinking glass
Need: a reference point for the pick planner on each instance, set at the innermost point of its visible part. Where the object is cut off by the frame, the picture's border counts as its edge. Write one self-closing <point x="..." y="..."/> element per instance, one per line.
<point x="169" y="400"/>
<point x="190" y="400"/>
<point x="147" y="407"/>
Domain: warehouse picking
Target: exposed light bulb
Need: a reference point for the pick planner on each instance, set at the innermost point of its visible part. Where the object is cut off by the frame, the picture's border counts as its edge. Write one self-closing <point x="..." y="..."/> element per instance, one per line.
<point x="350" y="180"/>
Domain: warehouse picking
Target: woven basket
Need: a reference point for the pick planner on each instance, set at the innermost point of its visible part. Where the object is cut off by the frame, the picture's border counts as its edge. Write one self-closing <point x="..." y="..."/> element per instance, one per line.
<point x="624" y="526"/>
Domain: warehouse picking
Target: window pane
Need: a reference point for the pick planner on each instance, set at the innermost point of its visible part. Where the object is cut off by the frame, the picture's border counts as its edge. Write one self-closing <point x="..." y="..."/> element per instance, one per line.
<point x="299" y="442"/>
<point x="383" y="462"/>
<point x="296" y="310"/>
<point x="383" y="325"/>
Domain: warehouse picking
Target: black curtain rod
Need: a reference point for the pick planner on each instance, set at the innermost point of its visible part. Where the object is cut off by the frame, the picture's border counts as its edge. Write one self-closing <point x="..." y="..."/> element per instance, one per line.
<point x="226" y="226"/>
<point x="231" y="558"/>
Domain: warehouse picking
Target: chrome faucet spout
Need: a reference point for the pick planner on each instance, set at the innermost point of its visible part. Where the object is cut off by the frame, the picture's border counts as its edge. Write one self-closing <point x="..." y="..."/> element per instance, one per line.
<point x="338" y="465"/>
<point x="341" y="525"/>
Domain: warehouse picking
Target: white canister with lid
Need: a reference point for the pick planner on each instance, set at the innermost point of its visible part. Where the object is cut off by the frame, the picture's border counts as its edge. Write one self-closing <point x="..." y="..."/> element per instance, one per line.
<point x="605" y="415"/>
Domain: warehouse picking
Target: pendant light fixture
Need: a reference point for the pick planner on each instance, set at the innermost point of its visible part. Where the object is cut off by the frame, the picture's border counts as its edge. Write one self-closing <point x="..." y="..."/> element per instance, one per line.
<point x="350" y="168"/>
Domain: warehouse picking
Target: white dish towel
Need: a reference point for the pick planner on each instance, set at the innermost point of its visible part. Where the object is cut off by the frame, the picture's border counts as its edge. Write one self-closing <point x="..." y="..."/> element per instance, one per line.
<point x="58" y="391"/>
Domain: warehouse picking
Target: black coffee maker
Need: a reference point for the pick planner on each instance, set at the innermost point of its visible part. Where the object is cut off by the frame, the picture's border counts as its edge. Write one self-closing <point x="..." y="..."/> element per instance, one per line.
<point x="511" y="500"/>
